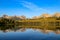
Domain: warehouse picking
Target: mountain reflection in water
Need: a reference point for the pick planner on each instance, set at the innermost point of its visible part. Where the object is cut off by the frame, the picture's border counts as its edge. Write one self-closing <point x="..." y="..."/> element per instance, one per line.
<point x="15" y="33"/>
<point x="24" y="29"/>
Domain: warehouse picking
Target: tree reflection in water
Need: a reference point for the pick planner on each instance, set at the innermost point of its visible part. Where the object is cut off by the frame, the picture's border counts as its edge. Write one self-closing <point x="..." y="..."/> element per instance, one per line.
<point x="22" y="29"/>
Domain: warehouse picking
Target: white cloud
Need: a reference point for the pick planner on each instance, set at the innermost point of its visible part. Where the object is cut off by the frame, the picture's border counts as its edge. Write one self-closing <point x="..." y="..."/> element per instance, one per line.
<point x="34" y="7"/>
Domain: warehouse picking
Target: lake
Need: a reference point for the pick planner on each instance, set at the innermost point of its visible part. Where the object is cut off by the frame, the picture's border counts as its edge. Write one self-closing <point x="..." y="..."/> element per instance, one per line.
<point x="29" y="34"/>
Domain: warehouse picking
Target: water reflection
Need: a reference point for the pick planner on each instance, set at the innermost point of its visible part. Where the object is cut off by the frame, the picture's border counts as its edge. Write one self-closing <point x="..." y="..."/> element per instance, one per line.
<point x="15" y="29"/>
<point x="17" y="33"/>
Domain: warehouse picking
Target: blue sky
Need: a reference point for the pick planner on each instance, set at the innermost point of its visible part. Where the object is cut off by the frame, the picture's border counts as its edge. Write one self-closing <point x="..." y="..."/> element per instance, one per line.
<point x="29" y="8"/>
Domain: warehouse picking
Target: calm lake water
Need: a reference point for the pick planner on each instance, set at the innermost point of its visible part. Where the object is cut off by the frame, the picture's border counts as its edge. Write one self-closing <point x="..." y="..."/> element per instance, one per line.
<point x="29" y="34"/>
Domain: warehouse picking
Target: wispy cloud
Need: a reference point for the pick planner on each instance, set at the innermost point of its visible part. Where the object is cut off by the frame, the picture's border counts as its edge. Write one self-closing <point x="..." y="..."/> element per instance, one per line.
<point x="34" y="7"/>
